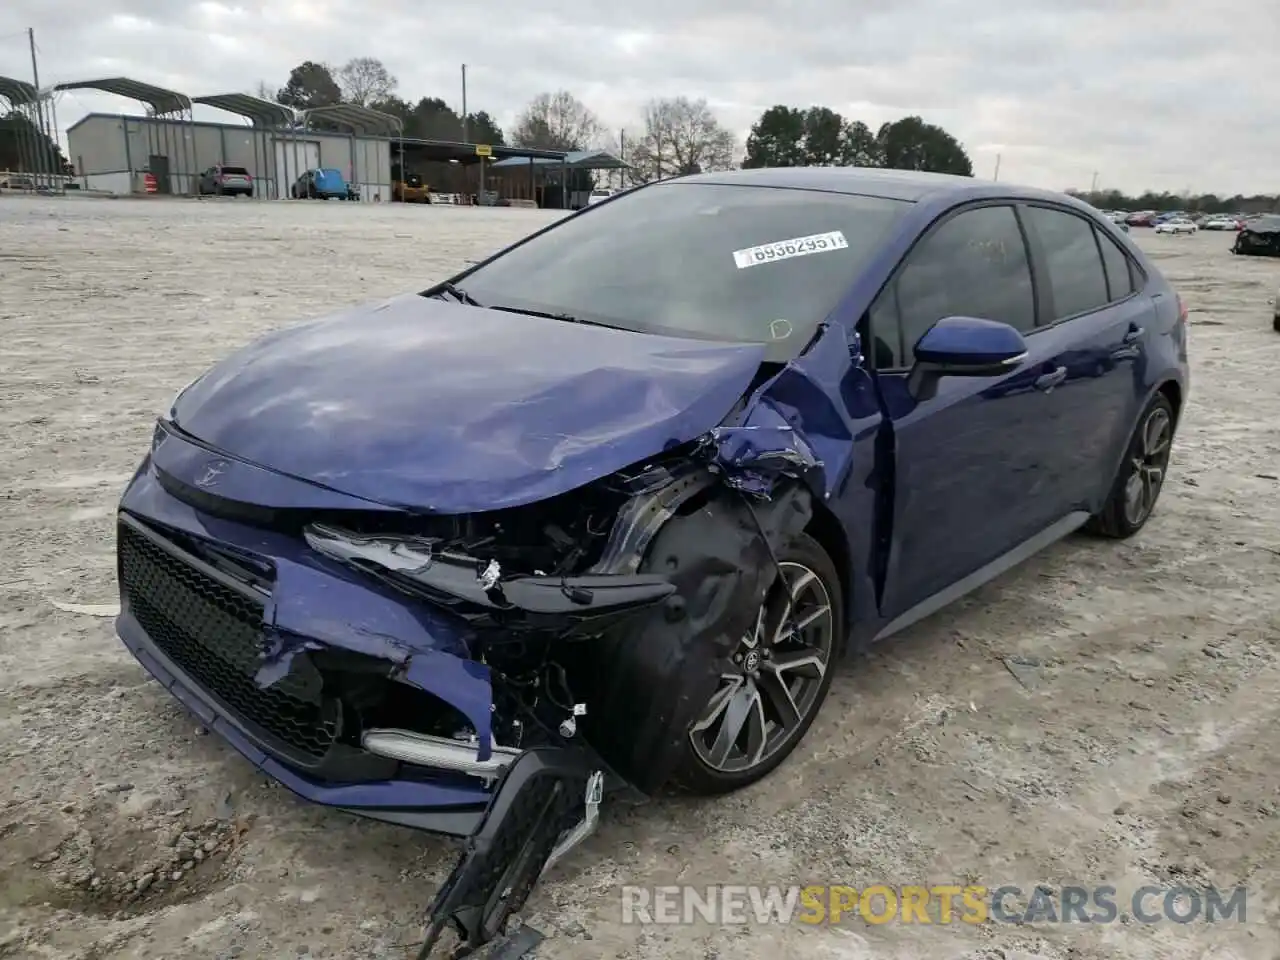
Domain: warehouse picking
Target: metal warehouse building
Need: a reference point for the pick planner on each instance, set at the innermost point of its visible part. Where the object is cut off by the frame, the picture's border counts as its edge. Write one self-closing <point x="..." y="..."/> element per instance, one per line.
<point x="112" y="152"/>
<point x="166" y="150"/>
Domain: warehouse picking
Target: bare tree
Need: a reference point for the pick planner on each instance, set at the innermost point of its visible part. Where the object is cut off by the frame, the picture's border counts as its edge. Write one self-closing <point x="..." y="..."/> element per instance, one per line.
<point x="365" y="80"/>
<point x="557" y="121"/>
<point x="262" y="91"/>
<point x="681" y="136"/>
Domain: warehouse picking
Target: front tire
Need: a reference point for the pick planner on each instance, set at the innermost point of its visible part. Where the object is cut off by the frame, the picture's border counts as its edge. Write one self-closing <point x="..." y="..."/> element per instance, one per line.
<point x="1141" y="476"/>
<point x="774" y="684"/>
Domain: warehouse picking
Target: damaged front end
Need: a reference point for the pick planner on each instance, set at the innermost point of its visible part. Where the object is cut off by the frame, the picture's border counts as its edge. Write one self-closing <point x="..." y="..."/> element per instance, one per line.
<point x="487" y="675"/>
<point x="611" y="656"/>
<point x="403" y="667"/>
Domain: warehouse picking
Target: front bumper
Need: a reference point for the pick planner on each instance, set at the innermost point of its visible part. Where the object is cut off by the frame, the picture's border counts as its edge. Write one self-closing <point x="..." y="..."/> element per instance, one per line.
<point x="454" y="811"/>
<point x="313" y="604"/>
<point x="199" y="622"/>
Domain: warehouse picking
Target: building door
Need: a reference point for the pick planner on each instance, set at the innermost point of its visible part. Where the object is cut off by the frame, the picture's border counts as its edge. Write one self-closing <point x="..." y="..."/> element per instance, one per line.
<point x="159" y="166"/>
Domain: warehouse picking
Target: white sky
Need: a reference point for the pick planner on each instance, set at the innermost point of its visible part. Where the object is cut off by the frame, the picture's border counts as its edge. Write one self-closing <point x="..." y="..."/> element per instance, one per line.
<point x="1162" y="94"/>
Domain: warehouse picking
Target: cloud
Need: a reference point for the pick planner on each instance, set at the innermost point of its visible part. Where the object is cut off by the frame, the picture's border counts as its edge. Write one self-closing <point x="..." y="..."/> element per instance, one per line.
<point x="1163" y="94"/>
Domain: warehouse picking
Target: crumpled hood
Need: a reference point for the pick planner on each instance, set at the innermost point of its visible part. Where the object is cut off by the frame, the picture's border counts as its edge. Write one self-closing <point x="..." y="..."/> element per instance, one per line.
<point x="429" y="404"/>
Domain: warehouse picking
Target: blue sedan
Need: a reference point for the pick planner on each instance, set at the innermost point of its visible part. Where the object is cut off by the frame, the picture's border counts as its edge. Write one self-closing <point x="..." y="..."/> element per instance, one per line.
<point x="604" y="510"/>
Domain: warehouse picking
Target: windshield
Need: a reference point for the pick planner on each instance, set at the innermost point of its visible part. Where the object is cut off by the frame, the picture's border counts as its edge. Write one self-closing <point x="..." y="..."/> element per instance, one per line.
<point x="710" y="261"/>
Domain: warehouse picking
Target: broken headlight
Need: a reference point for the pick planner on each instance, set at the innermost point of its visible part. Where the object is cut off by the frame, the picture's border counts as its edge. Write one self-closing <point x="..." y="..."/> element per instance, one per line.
<point x="425" y="565"/>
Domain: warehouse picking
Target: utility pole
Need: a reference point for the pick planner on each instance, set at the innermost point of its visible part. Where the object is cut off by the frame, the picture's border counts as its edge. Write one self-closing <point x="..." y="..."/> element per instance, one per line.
<point x="622" y="155"/>
<point x="43" y="143"/>
<point x="997" y="173"/>
<point x="464" y="104"/>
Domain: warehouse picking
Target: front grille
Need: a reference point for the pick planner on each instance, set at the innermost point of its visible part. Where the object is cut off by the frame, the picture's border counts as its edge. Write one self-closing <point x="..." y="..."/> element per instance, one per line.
<point x="214" y="633"/>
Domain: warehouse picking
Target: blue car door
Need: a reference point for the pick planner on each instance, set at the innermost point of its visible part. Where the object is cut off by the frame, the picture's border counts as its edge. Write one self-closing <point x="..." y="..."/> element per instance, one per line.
<point x="974" y="467"/>
<point x="1096" y="325"/>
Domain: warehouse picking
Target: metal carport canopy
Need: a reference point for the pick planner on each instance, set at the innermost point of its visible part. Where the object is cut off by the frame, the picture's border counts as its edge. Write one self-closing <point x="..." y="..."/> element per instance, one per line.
<point x="24" y="99"/>
<point x="163" y="103"/>
<point x="160" y="100"/>
<point x="17" y="91"/>
<point x="575" y="160"/>
<point x="362" y="121"/>
<point x="262" y="113"/>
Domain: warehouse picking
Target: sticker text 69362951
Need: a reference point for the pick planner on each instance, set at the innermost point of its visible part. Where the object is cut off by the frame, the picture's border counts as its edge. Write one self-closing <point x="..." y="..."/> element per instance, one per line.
<point x="786" y="249"/>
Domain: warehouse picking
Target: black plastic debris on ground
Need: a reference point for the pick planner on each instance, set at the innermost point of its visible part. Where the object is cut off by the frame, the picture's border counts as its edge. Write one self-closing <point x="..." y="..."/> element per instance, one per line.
<point x="540" y="797"/>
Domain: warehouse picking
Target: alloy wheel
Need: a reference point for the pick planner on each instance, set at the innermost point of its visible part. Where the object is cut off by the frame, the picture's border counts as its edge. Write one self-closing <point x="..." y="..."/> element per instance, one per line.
<point x="773" y="681"/>
<point x="1149" y="463"/>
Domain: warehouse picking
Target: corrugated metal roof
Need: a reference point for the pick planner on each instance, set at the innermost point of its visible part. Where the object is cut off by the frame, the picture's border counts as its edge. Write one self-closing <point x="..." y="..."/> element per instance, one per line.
<point x="359" y="120"/>
<point x="17" y="91"/>
<point x="160" y="100"/>
<point x="263" y="113"/>
<point x="577" y="159"/>
<point x="469" y="149"/>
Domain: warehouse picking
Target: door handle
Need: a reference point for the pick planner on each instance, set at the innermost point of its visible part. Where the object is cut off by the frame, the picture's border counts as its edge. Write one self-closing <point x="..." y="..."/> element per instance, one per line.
<point x="1050" y="380"/>
<point x="1134" y="333"/>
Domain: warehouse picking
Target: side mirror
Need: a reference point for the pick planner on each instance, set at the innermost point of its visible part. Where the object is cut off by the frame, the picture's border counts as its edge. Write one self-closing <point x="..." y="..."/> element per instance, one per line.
<point x="964" y="347"/>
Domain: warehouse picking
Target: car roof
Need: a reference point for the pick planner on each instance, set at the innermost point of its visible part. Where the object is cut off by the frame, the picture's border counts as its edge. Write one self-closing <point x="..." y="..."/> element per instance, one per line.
<point x="912" y="185"/>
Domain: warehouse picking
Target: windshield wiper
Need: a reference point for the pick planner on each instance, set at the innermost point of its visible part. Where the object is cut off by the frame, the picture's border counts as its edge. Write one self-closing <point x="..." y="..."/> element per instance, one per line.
<point x="454" y="291"/>
<point x="565" y="317"/>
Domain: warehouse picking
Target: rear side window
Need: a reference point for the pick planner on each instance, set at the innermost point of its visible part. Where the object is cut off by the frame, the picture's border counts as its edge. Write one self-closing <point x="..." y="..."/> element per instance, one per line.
<point x="1119" y="274"/>
<point x="973" y="265"/>
<point x="1076" y="276"/>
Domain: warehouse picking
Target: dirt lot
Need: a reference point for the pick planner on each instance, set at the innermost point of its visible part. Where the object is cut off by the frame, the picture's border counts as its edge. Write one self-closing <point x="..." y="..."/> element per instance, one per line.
<point x="1137" y="745"/>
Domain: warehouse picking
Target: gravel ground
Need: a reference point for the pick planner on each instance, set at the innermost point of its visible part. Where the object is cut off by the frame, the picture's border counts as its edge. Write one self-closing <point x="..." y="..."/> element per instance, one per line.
<point x="1135" y="745"/>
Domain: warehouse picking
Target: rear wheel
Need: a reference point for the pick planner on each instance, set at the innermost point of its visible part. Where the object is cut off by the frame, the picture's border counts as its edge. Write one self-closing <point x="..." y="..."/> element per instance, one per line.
<point x="774" y="683"/>
<point x="1141" y="476"/>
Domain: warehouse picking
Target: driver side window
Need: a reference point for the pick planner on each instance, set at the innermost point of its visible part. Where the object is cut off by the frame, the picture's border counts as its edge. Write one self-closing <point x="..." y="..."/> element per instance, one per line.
<point x="973" y="265"/>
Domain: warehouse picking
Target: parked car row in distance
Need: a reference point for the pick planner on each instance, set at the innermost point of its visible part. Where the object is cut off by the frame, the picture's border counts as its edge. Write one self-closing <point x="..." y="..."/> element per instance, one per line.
<point x="1203" y="221"/>
<point x="325" y="183"/>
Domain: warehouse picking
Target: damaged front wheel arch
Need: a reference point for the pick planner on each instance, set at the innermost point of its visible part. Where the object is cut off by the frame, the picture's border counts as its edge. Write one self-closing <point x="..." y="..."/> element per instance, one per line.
<point x="773" y="685"/>
<point x="653" y="676"/>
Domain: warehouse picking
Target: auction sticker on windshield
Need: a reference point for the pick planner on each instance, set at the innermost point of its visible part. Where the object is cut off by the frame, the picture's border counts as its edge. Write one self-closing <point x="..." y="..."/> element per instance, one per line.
<point x="786" y="249"/>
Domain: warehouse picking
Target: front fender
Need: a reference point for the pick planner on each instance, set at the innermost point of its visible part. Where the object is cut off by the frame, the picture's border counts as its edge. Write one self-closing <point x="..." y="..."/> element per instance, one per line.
<point x="652" y="676"/>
